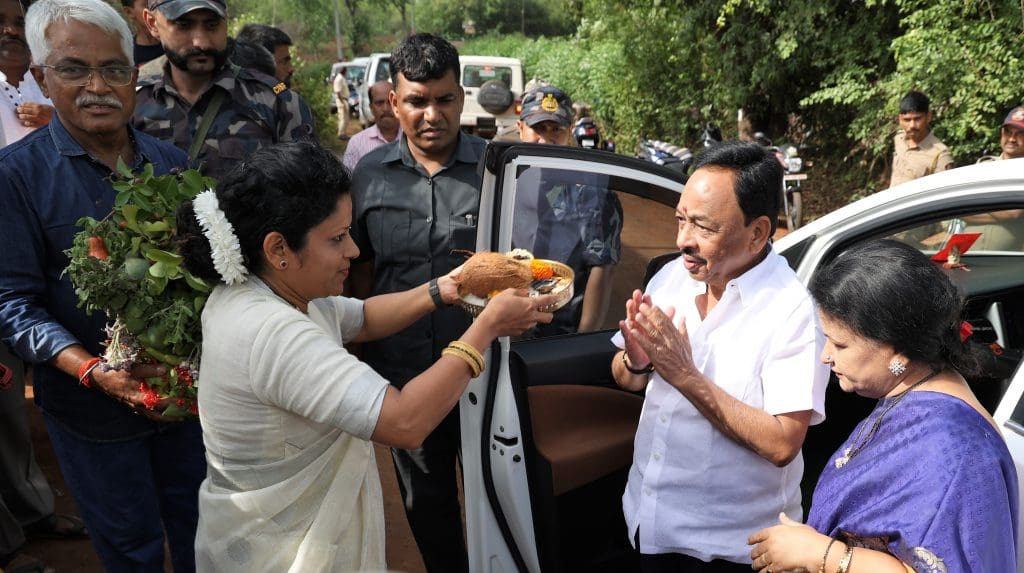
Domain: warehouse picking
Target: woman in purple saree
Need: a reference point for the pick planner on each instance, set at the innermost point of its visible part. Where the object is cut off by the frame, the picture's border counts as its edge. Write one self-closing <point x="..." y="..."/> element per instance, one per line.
<point x="925" y="483"/>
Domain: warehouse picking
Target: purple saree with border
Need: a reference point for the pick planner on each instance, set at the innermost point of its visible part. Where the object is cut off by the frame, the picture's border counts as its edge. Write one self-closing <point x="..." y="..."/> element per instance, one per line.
<point x="935" y="486"/>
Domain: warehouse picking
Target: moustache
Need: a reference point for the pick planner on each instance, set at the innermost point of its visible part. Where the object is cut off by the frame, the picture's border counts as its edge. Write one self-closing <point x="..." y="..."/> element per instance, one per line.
<point x="5" y="38"/>
<point x="688" y="251"/>
<point x="194" y="52"/>
<point x="93" y="99"/>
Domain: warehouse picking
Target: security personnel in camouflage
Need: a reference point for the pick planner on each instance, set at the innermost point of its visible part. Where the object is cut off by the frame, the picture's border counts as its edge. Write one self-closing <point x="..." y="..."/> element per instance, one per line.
<point x="253" y="110"/>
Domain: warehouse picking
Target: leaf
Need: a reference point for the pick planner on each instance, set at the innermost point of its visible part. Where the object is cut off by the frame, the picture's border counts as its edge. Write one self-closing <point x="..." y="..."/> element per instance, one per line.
<point x="130" y="213"/>
<point x="123" y="169"/>
<point x="156" y="285"/>
<point x="159" y="270"/>
<point x="197" y="283"/>
<point x="153" y="227"/>
<point x="162" y="256"/>
<point x="193" y="182"/>
<point x="175" y="411"/>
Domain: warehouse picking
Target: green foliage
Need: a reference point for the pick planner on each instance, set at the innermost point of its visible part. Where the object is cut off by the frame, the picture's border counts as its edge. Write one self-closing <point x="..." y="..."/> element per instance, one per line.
<point x="309" y="82"/>
<point x="127" y="267"/>
<point x="495" y="17"/>
<point x="662" y="68"/>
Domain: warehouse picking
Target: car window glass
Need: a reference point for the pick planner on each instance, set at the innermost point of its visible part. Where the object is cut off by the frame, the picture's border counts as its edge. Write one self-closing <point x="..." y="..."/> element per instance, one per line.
<point x="383" y="71"/>
<point x="599" y="225"/>
<point x="999" y="231"/>
<point x="476" y="76"/>
<point x="355" y="73"/>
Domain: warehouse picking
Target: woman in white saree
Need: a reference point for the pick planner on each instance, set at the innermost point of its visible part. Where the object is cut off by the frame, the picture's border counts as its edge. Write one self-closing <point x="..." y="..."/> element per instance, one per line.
<point x="288" y="414"/>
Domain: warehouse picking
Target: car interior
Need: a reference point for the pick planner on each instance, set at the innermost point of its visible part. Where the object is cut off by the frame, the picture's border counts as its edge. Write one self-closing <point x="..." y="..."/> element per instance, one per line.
<point x="578" y="426"/>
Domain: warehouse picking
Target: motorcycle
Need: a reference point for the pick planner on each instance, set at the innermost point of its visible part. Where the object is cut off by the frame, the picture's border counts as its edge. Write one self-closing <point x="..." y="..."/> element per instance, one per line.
<point x="711" y="135"/>
<point x="587" y="135"/>
<point x="667" y="154"/>
<point x="788" y="156"/>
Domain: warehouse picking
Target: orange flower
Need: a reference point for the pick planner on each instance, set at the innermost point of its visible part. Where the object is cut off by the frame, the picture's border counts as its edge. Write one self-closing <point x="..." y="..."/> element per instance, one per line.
<point x="541" y="270"/>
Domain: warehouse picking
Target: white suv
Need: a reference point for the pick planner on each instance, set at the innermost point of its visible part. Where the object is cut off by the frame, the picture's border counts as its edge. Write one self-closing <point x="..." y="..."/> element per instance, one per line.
<point x="378" y="68"/>
<point x="494" y="88"/>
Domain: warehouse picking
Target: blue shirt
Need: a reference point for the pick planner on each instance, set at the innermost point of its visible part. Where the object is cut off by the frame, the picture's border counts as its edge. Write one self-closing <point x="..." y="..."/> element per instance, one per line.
<point x="47" y="182"/>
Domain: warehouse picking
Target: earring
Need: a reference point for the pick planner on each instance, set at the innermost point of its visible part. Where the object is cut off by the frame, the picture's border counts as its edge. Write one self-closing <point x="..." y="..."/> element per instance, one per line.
<point x="897" y="367"/>
<point x="283" y="264"/>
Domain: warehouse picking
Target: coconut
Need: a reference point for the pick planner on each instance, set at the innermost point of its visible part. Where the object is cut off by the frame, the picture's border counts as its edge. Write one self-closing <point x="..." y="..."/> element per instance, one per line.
<point x="487" y="272"/>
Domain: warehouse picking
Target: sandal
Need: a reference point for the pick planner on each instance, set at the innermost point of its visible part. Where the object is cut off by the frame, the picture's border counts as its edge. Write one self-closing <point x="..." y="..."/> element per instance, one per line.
<point x="22" y="563"/>
<point x="58" y="526"/>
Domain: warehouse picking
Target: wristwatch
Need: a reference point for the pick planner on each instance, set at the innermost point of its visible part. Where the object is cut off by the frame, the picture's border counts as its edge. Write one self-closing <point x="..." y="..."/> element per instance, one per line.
<point x="645" y="370"/>
<point x="435" y="294"/>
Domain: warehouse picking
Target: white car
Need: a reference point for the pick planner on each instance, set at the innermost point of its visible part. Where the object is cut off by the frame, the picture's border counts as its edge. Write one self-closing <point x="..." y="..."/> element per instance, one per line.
<point x="378" y="67"/>
<point x="494" y="89"/>
<point x="547" y="436"/>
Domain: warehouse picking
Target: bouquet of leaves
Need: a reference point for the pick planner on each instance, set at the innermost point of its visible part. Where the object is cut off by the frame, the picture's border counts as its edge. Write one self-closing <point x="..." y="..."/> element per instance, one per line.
<point x="126" y="265"/>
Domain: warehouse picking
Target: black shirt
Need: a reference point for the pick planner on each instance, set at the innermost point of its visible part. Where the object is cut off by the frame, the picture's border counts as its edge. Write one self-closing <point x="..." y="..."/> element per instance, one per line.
<point x="408" y="223"/>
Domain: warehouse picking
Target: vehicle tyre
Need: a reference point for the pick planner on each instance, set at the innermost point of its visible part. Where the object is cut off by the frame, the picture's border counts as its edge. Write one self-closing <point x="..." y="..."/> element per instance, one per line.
<point x="494" y="96"/>
<point x="795" y="216"/>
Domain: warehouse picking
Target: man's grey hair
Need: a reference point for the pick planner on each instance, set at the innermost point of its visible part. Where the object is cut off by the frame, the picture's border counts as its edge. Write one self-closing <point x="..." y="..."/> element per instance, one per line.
<point x="96" y="12"/>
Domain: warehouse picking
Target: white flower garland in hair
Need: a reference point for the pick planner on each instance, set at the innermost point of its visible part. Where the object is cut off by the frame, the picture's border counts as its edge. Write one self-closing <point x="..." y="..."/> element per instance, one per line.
<point x="227" y="253"/>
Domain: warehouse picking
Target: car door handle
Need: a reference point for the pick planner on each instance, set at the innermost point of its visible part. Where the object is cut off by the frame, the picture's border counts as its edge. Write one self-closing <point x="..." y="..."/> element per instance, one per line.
<point x="507" y="442"/>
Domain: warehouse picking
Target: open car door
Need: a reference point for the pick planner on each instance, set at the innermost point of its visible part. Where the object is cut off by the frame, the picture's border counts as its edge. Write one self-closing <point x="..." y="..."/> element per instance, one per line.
<point x="547" y="436"/>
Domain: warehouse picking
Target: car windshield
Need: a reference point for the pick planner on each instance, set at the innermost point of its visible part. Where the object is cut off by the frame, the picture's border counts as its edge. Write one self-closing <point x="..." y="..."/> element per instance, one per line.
<point x="476" y="76"/>
<point x="987" y="232"/>
<point x="383" y="71"/>
<point x="355" y="73"/>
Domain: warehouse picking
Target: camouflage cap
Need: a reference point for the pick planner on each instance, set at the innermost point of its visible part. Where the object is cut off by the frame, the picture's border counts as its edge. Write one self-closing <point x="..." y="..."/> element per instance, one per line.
<point x="546" y="103"/>
<point x="1015" y="117"/>
<point x="174" y="9"/>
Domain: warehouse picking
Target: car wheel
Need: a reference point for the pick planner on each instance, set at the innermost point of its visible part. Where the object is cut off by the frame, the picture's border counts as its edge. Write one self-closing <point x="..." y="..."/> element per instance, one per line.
<point x="494" y="96"/>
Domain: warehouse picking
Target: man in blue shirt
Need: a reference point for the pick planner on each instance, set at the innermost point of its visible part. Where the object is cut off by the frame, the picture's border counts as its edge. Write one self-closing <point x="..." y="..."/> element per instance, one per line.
<point x="133" y="477"/>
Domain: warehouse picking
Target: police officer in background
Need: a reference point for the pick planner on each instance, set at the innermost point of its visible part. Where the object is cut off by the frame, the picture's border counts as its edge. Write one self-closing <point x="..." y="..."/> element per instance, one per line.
<point x="578" y="223"/>
<point x="1011" y="136"/>
<point x="917" y="151"/>
<point x="197" y="79"/>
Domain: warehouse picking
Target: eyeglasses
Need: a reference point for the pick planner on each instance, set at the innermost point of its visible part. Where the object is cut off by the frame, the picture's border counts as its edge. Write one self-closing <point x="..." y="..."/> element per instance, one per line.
<point x="115" y="76"/>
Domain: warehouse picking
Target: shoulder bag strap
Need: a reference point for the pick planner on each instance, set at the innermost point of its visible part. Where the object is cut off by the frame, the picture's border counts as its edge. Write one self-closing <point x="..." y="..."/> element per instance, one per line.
<point x="204" y="125"/>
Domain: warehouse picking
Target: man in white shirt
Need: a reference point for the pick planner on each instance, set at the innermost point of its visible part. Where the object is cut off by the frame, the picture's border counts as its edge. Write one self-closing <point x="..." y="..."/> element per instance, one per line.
<point x="23" y="107"/>
<point x="385" y="130"/>
<point x="725" y="343"/>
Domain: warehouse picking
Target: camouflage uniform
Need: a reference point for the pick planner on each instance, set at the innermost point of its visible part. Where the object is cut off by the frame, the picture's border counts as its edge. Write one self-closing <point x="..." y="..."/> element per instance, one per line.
<point x="257" y="111"/>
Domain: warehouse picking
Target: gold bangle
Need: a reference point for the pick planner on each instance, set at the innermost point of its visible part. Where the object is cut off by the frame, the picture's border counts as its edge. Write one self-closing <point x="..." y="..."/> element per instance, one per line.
<point x="474" y="372"/>
<point x="824" y="558"/>
<point x="470" y="350"/>
<point x="844" y="565"/>
<point x="478" y="365"/>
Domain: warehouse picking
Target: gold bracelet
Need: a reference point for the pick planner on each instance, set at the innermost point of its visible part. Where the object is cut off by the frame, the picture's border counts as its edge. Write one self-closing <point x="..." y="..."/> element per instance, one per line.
<point x="474" y="372"/>
<point x="478" y="365"/>
<point x="470" y="350"/>
<point x="844" y="565"/>
<point x="824" y="559"/>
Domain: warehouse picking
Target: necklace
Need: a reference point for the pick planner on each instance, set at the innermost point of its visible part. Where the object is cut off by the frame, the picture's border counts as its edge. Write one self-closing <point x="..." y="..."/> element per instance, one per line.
<point x="857" y="445"/>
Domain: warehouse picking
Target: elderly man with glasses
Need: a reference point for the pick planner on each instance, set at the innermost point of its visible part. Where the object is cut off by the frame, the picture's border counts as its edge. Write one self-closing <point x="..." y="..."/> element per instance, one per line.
<point x="134" y="477"/>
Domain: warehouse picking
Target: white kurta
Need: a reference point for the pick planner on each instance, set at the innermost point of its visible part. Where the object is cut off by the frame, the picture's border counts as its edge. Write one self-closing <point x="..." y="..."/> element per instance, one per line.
<point x="691" y="488"/>
<point x="287" y="414"/>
